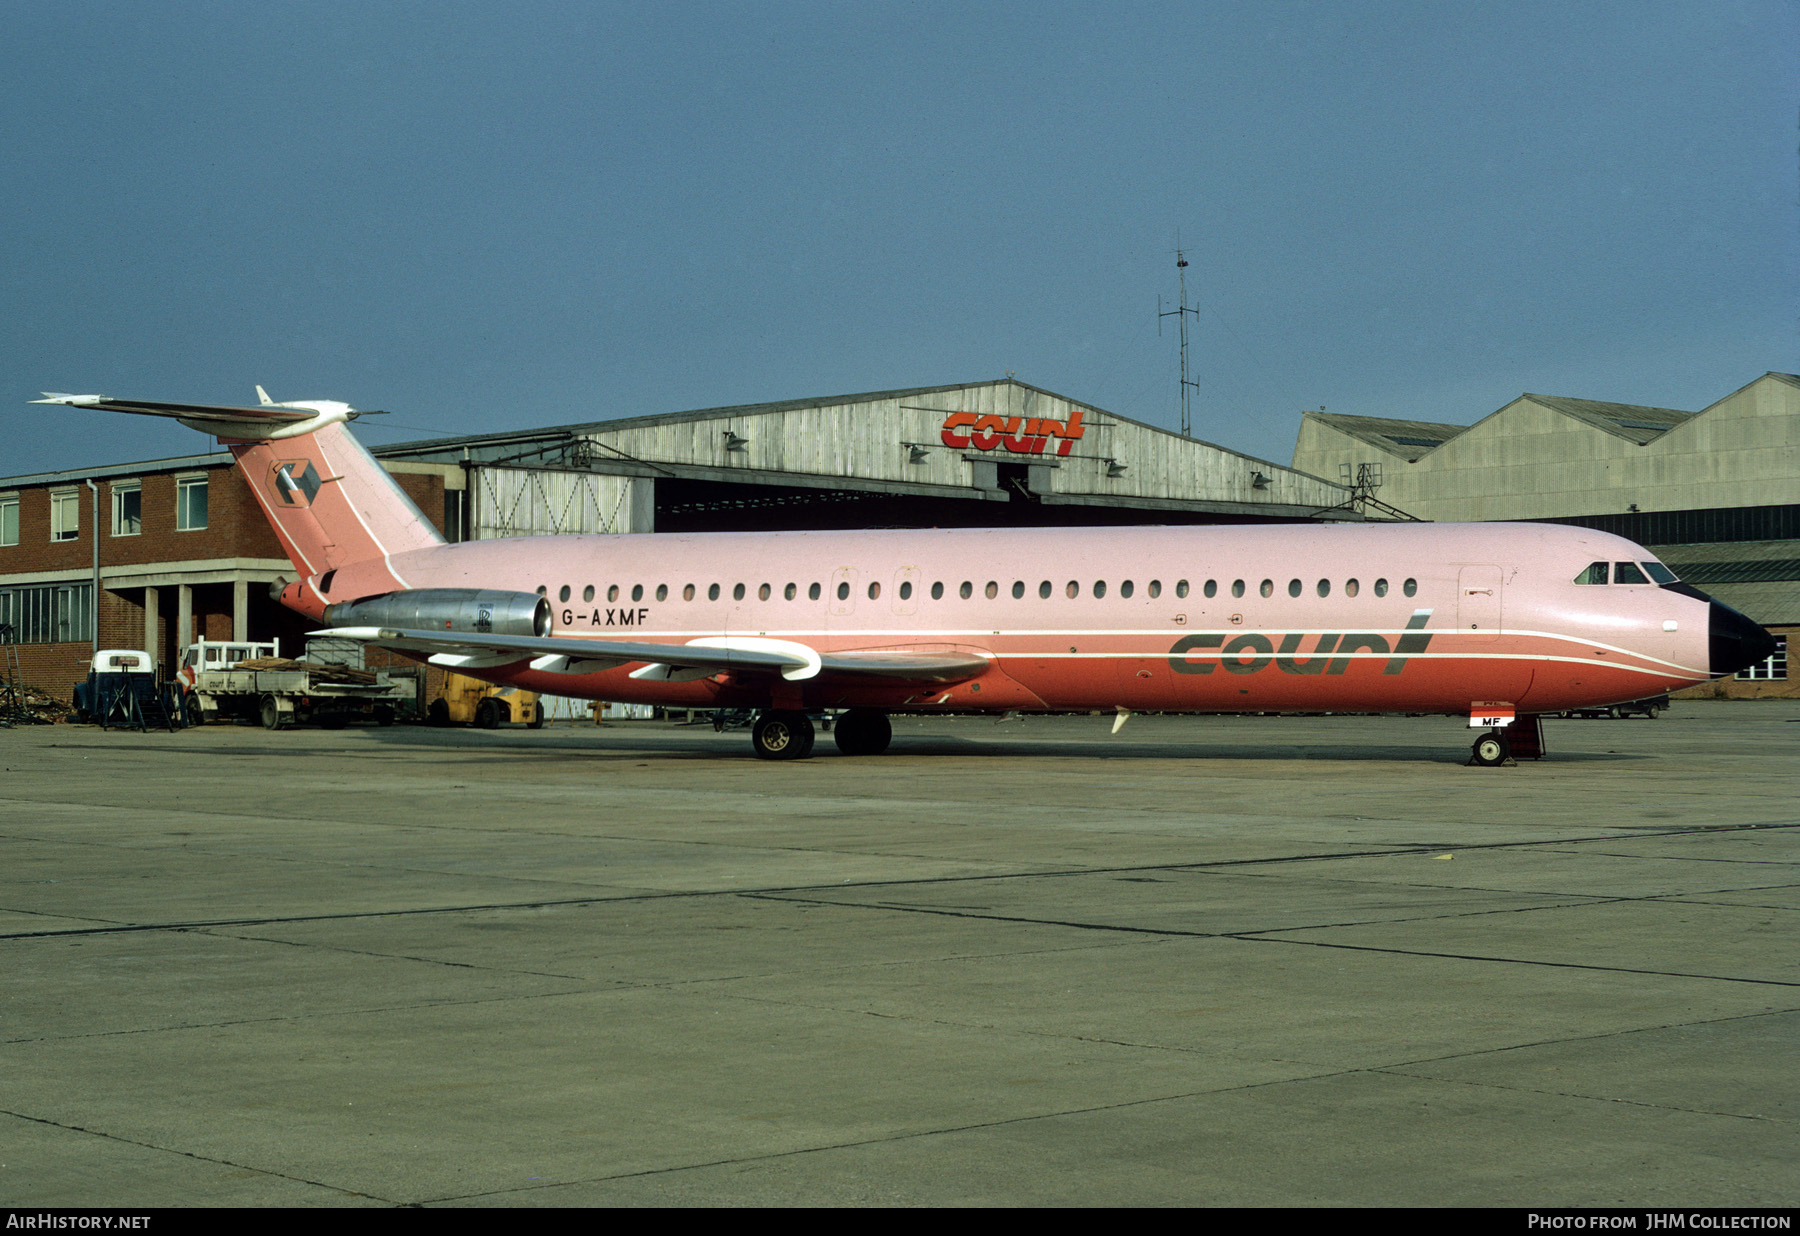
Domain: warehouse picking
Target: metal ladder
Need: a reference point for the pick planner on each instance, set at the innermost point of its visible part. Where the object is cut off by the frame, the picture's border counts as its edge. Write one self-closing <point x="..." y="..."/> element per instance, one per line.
<point x="12" y="691"/>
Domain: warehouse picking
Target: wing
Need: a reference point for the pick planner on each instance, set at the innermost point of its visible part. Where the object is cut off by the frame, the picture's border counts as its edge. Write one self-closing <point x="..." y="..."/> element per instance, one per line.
<point x="566" y="654"/>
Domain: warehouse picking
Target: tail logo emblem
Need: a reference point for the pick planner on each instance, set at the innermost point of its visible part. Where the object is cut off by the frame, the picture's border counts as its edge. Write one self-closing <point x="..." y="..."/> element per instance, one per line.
<point x="295" y="481"/>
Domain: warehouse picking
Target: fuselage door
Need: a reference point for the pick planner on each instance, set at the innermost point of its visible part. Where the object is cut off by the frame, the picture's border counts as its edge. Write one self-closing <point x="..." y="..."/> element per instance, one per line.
<point x="1478" y="602"/>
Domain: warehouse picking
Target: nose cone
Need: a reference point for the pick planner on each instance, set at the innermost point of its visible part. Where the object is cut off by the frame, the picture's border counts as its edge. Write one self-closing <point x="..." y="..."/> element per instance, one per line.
<point x="1734" y="641"/>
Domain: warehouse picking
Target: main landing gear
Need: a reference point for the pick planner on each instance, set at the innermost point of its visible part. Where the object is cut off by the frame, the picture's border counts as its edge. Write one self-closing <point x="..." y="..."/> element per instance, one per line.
<point x="783" y="734"/>
<point x="863" y="731"/>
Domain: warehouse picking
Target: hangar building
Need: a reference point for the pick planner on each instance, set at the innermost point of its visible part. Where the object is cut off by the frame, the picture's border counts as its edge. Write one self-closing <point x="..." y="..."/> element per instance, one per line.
<point x="1715" y="493"/>
<point x="183" y="552"/>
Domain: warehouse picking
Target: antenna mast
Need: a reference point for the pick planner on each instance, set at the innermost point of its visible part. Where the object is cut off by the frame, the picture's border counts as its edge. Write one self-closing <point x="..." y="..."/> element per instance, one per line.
<point x="1181" y="316"/>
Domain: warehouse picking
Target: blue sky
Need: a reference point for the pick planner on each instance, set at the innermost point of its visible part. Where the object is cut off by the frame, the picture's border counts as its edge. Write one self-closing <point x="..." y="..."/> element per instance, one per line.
<point x="486" y="217"/>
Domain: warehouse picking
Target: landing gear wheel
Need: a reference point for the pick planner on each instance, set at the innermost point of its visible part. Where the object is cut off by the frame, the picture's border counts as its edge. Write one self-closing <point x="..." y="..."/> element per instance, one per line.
<point x="271" y="713"/>
<point x="487" y="714"/>
<point x="1491" y="750"/>
<point x="782" y="736"/>
<point x="863" y="731"/>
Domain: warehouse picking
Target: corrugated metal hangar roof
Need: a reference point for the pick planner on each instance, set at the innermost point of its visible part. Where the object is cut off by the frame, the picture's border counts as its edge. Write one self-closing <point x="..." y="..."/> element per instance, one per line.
<point x="981" y="443"/>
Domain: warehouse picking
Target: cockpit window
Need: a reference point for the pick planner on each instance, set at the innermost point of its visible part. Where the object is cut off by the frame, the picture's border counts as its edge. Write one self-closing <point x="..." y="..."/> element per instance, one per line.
<point x="1628" y="573"/>
<point x="1658" y="572"/>
<point x="1595" y="574"/>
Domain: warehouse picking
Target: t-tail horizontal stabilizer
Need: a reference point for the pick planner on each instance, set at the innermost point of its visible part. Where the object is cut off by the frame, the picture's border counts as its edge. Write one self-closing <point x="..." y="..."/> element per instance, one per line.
<point x="259" y="422"/>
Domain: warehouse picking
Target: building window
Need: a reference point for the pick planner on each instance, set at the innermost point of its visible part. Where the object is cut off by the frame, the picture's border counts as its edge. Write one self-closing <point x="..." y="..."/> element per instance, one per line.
<point x="190" y="503"/>
<point x="65" y="516"/>
<point x="128" y="508"/>
<point x="48" y="613"/>
<point x="9" y="520"/>
<point x="1772" y="668"/>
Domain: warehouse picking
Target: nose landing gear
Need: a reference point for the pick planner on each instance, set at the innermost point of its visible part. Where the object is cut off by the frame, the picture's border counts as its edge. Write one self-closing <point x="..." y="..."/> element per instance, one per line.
<point x="1522" y="740"/>
<point x="1490" y="750"/>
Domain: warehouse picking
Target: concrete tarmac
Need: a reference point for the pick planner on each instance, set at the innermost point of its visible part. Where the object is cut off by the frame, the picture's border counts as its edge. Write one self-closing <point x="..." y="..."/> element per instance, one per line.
<point x="1204" y="961"/>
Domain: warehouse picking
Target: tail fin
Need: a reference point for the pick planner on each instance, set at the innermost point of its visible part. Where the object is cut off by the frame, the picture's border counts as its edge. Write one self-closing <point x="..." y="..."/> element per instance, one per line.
<point x="330" y="503"/>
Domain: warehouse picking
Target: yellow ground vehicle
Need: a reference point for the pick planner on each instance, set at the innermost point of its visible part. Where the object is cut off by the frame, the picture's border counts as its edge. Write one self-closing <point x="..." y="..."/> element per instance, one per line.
<point x="469" y="701"/>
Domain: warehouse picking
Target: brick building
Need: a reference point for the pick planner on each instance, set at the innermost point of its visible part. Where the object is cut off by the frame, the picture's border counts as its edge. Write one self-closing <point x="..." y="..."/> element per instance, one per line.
<point x="184" y="553"/>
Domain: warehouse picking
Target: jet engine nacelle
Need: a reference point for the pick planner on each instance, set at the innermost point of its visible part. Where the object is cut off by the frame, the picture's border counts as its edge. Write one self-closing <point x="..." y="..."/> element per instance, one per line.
<point x="447" y="609"/>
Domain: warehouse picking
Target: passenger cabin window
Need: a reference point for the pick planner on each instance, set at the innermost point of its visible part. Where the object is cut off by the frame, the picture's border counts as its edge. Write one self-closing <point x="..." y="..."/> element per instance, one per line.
<point x="1410" y="587"/>
<point x="662" y="592"/>
<point x="992" y="590"/>
<point x="1268" y="588"/>
<point x="687" y="592"/>
<point x="843" y="591"/>
<point x="905" y="590"/>
<point x="1126" y="588"/>
<point x="966" y="591"/>
<point x="1181" y="589"/>
<point x="1293" y="587"/>
<point x="1351" y="587"/>
<point x="712" y="592"/>
<point x="1595" y="574"/>
<point x="1044" y="590"/>
<point x="637" y="592"/>
<point x="1155" y="588"/>
<point x="737" y="592"/>
<point x="1237" y="587"/>
<point x="1018" y="589"/>
<point x="791" y="591"/>
<point x="587" y="593"/>
<point x="937" y="590"/>
<point x="813" y="592"/>
<point x="1099" y="588"/>
<point x="1381" y="587"/>
<point x="563" y="593"/>
<point x="612" y="592"/>
<point x="762" y="591"/>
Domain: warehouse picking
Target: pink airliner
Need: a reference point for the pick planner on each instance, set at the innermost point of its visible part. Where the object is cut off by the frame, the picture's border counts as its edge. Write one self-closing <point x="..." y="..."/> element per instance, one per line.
<point x="1499" y="623"/>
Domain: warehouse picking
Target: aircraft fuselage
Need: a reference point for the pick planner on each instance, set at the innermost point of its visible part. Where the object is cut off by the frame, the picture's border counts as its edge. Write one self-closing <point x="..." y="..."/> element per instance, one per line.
<point x="1379" y="618"/>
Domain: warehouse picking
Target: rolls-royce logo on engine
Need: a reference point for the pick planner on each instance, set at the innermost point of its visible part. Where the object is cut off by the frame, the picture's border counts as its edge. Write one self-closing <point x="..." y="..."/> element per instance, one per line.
<point x="295" y="481"/>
